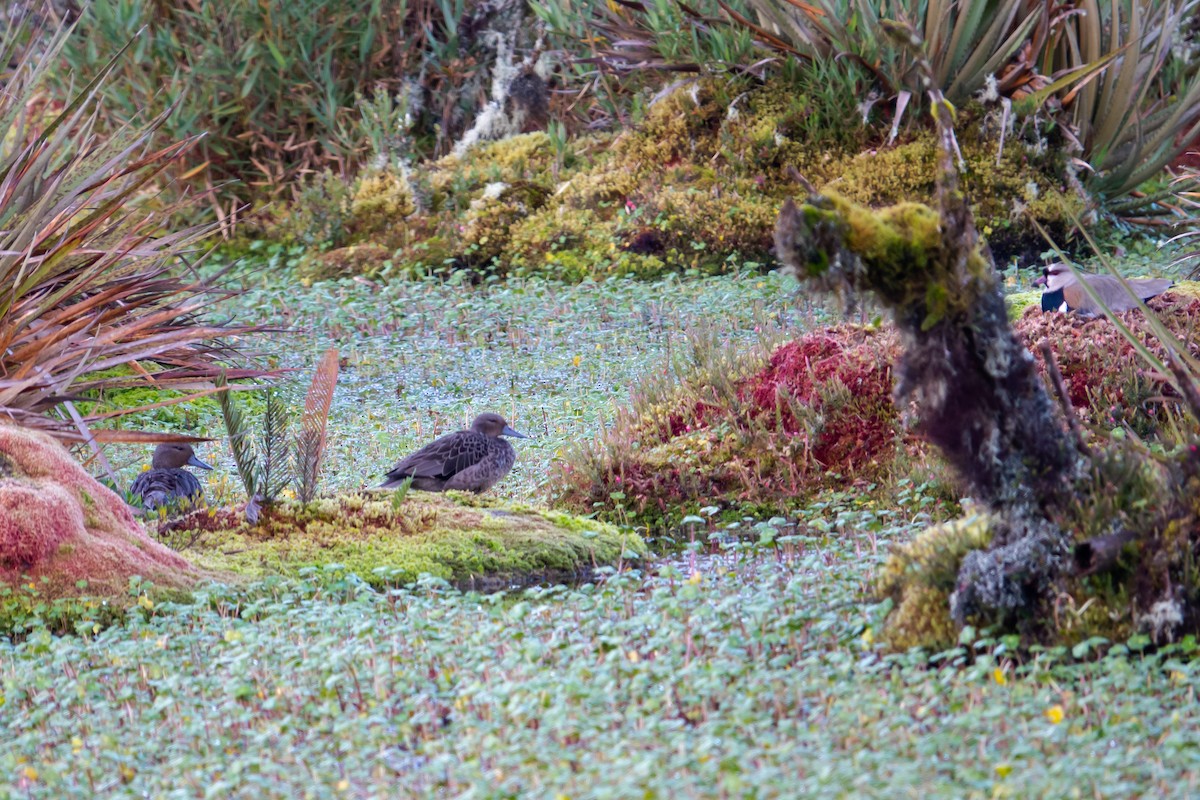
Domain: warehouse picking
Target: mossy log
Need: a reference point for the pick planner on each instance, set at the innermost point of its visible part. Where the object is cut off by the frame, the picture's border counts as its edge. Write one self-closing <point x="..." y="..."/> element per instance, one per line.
<point x="978" y="392"/>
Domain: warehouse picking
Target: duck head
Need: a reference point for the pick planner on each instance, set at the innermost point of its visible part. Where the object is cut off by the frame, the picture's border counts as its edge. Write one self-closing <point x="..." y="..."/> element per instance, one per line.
<point x="493" y="425"/>
<point x="175" y="455"/>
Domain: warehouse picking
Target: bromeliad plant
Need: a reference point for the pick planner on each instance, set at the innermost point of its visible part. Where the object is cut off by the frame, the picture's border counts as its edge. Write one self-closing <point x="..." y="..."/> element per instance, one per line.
<point x="1116" y="77"/>
<point x="89" y="279"/>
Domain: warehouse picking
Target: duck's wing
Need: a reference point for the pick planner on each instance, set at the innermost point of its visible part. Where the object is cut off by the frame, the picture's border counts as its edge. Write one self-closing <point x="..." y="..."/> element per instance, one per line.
<point x="158" y="487"/>
<point x="443" y="458"/>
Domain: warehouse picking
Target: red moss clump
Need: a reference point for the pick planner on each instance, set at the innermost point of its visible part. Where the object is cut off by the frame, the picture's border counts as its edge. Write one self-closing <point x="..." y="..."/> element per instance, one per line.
<point x="1106" y="380"/>
<point x="856" y="430"/>
<point x="57" y="522"/>
<point x="819" y="411"/>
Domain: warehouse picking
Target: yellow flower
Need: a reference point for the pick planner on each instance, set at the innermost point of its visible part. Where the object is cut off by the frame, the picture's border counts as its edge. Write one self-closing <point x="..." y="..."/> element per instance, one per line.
<point x="1055" y="714"/>
<point x="999" y="677"/>
<point x="696" y="578"/>
<point x="868" y="638"/>
<point x="633" y="656"/>
<point x="1003" y="769"/>
<point x="576" y="360"/>
<point x="30" y="773"/>
<point x="145" y="602"/>
<point x="76" y="744"/>
<point x="343" y="785"/>
<point x="232" y="636"/>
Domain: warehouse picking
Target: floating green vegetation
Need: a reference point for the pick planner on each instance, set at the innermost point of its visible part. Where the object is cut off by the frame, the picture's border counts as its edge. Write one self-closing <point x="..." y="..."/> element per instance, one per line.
<point x="703" y="677"/>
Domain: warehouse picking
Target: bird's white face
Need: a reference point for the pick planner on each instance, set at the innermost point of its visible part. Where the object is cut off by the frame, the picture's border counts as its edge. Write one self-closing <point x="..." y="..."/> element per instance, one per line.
<point x="1057" y="276"/>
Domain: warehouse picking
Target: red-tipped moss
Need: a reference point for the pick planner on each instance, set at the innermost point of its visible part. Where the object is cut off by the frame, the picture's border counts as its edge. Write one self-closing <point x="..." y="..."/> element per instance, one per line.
<point x="818" y="412"/>
<point x="1108" y="384"/>
<point x="59" y="526"/>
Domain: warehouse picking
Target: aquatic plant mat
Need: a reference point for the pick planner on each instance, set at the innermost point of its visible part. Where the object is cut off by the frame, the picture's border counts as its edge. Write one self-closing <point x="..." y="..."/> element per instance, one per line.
<point x="754" y="671"/>
<point x="751" y="668"/>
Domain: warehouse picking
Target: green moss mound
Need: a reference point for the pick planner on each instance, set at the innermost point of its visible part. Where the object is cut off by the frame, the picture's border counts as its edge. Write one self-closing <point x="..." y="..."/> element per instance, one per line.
<point x="470" y="542"/>
<point x="695" y="186"/>
<point x="919" y="577"/>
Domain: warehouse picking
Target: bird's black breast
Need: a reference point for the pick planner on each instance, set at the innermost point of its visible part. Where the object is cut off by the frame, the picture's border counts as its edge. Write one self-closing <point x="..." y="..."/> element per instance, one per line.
<point x="1052" y="301"/>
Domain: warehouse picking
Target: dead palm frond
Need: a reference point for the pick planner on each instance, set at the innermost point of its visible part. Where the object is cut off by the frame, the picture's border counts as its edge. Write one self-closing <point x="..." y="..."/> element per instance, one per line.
<point x="310" y="440"/>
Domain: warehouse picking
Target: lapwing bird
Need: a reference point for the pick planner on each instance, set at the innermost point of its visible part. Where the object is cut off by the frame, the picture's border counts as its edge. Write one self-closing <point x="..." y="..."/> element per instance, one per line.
<point x="167" y="483"/>
<point x="472" y="460"/>
<point x="1064" y="293"/>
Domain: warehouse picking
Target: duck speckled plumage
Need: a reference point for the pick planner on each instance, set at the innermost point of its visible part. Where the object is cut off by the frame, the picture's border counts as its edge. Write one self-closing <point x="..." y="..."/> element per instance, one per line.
<point x="167" y="483"/>
<point x="472" y="460"/>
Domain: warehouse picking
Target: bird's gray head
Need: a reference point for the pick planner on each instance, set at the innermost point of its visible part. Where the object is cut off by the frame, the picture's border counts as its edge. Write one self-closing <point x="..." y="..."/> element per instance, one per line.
<point x="493" y="425"/>
<point x="175" y="455"/>
<point x="1055" y="277"/>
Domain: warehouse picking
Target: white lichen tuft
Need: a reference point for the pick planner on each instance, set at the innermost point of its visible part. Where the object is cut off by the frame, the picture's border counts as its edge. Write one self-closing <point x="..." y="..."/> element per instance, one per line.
<point x="493" y="190"/>
<point x="1161" y="620"/>
<point x="500" y="119"/>
<point x="990" y="93"/>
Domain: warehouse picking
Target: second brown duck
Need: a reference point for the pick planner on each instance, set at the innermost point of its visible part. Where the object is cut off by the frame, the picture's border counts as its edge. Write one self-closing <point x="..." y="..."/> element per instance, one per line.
<point x="472" y="460"/>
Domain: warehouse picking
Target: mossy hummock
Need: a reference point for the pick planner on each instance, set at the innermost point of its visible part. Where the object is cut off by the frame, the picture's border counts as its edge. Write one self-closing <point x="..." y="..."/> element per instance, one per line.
<point x="59" y="526"/>
<point x="463" y="539"/>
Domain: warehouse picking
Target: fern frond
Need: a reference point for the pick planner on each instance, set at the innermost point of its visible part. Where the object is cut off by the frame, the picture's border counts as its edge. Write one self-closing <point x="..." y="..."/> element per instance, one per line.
<point x="310" y="442"/>
<point x="276" y="470"/>
<point x="241" y="442"/>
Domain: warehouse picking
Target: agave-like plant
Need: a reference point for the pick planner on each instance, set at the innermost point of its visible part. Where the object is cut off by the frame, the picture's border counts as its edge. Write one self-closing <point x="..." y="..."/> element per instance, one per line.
<point x="89" y="278"/>
<point x="1129" y="129"/>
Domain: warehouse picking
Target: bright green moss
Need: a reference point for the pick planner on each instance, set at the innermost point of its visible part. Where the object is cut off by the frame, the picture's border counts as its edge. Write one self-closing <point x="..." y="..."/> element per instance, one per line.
<point x="919" y="577"/>
<point x="528" y="157"/>
<point x="447" y="536"/>
<point x="381" y="201"/>
<point x="1019" y="301"/>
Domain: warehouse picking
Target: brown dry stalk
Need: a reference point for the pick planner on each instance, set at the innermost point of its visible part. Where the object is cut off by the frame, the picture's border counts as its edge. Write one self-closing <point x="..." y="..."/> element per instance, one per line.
<point x="1064" y="399"/>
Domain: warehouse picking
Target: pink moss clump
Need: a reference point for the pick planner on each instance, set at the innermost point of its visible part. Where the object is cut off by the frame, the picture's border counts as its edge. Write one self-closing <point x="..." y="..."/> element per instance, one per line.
<point x="1108" y="383"/>
<point x="859" y="427"/>
<point x="59" y="524"/>
<point x="818" y="413"/>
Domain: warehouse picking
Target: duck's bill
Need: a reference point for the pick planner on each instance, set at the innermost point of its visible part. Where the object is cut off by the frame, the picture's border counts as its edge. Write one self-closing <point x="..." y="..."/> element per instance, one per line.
<point x="1040" y="280"/>
<point x="195" y="462"/>
<point x="510" y="432"/>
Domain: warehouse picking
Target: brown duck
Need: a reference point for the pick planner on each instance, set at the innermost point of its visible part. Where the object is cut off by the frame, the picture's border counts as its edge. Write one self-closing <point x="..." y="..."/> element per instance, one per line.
<point x="471" y="460"/>
<point x="167" y="483"/>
